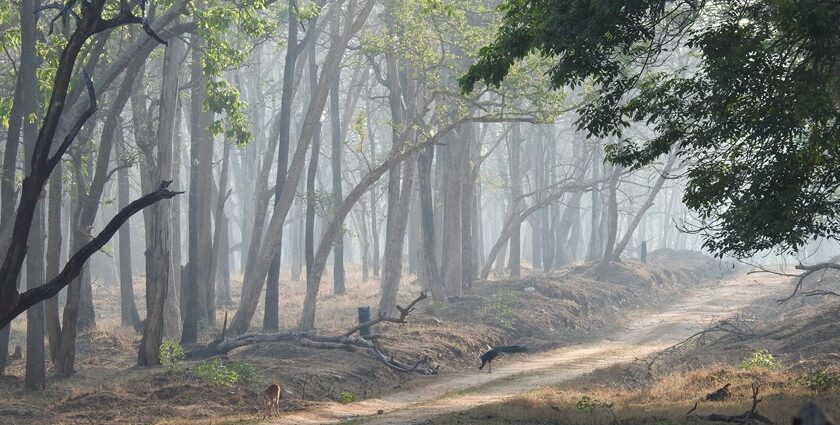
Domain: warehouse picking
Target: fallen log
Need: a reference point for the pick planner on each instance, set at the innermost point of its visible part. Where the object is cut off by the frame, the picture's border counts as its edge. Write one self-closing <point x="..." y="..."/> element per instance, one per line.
<point x="346" y="341"/>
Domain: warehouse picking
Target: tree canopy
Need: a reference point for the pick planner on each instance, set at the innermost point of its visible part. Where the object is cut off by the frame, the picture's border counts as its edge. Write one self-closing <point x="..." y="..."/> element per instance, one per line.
<point x="749" y="91"/>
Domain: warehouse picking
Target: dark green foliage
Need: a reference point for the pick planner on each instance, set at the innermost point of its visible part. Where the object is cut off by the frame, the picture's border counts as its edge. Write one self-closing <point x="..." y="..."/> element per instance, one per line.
<point x="754" y="101"/>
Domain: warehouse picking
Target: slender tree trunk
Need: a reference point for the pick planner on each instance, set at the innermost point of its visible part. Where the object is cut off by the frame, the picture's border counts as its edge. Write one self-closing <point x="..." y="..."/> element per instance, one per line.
<point x="271" y="317"/>
<point x="374" y="216"/>
<point x="467" y="202"/>
<point x="427" y="224"/>
<point x="392" y="267"/>
<point x="223" y="193"/>
<point x="515" y="199"/>
<point x="312" y="171"/>
<point x="337" y="196"/>
<point x="35" y="377"/>
<point x="128" y="308"/>
<point x="612" y="214"/>
<point x="8" y="194"/>
<point x="51" y="313"/>
<point x="595" y="242"/>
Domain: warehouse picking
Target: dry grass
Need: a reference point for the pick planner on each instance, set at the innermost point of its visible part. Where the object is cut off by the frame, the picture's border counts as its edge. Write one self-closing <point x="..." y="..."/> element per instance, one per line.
<point x="592" y="400"/>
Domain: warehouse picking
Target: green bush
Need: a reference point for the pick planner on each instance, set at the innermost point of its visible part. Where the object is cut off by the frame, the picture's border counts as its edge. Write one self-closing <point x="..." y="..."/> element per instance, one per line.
<point x="761" y="358"/>
<point x="819" y="380"/>
<point x="171" y="355"/>
<point x="245" y="373"/>
<point x="346" y="397"/>
<point x="586" y="404"/>
<point x="214" y="372"/>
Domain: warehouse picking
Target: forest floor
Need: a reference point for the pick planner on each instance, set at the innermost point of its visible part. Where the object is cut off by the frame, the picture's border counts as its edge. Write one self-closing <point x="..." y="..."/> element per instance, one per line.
<point x="569" y="318"/>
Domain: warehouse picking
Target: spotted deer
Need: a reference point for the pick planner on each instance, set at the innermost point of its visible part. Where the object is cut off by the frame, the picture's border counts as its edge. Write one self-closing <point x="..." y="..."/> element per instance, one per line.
<point x="271" y="400"/>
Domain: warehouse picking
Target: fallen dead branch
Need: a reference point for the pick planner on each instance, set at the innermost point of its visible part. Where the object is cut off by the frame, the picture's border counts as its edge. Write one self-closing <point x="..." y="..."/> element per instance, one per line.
<point x="735" y="327"/>
<point x="346" y="341"/>
<point x="748" y="417"/>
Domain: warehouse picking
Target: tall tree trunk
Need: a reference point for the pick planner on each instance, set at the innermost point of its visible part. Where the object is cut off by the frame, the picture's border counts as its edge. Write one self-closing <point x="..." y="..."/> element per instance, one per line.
<point x="159" y="267"/>
<point x="312" y="170"/>
<point x="35" y="377"/>
<point x="271" y="317"/>
<point x="8" y="194"/>
<point x="78" y="311"/>
<point x="223" y="193"/>
<point x="201" y="157"/>
<point x="611" y="214"/>
<point x="395" y="225"/>
<point x="427" y="224"/>
<point x="515" y="199"/>
<point x="452" y="244"/>
<point x="54" y="256"/>
<point x="255" y="276"/>
<point x="467" y="202"/>
<point x="374" y="216"/>
<point x="595" y="242"/>
<point x="128" y="308"/>
<point x="337" y="196"/>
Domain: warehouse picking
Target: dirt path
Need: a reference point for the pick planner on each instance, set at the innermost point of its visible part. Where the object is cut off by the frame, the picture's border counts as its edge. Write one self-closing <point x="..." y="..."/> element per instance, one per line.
<point x="645" y="332"/>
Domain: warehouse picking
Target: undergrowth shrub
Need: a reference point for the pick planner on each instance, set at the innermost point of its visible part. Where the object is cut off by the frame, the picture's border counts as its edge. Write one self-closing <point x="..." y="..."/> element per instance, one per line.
<point x="759" y="359"/>
<point x="346" y="397"/>
<point x="215" y="372"/>
<point x="819" y="380"/>
<point x="171" y="355"/>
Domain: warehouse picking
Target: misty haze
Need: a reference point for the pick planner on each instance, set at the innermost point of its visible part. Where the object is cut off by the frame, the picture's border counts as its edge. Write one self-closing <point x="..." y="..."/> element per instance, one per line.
<point x="430" y="212"/>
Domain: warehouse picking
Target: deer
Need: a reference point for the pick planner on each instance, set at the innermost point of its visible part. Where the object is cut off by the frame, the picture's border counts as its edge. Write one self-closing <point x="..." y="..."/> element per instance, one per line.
<point x="271" y="399"/>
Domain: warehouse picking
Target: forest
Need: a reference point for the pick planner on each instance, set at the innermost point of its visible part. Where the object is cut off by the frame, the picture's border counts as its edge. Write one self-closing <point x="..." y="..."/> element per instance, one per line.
<point x="351" y="211"/>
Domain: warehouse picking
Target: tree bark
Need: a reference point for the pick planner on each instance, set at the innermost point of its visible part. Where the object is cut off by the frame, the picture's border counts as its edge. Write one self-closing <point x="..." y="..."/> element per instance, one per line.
<point x="201" y="162"/>
<point x="128" y="308"/>
<point x="515" y="198"/>
<point x="595" y="242"/>
<point x="611" y="214"/>
<point x="335" y="130"/>
<point x="271" y="317"/>
<point x="35" y="378"/>
<point x="427" y="224"/>
<point x="159" y="268"/>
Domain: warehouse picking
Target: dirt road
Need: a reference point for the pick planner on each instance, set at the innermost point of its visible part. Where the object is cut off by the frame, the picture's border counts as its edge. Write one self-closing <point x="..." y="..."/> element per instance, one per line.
<point x="645" y="332"/>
